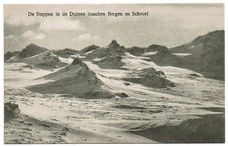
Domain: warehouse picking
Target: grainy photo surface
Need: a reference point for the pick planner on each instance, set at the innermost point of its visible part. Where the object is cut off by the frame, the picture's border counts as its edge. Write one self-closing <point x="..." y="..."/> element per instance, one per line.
<point x="114" y="73"/>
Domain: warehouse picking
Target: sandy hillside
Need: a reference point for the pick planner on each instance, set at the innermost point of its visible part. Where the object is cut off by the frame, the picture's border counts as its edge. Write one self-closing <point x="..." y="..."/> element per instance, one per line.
<point x="113" y="94"/>
<point x="115" y="120"/>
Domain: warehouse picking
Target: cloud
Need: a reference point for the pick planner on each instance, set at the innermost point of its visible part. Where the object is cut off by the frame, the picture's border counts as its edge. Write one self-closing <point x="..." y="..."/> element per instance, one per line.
<point x="21" y="20"/>
<point x="28" y="34"/>
<point x="57" y="24"/>
<point x="9" y="37"/>
<point x="87" y="36"/>
<point x="40" y="36"/>
<point x="31" y="35"/>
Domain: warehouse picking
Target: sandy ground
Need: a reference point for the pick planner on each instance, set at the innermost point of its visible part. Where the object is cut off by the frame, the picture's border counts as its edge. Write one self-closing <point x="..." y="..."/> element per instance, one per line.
<point x="62" y="119"/>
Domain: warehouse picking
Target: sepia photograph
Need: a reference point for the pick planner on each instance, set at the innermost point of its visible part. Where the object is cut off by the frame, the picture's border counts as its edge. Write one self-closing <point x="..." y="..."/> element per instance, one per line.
<point x="114" y="73"/>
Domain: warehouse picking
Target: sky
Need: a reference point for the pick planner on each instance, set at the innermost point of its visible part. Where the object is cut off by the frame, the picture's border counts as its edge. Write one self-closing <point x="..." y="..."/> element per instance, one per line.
<point x="166" y="24"/>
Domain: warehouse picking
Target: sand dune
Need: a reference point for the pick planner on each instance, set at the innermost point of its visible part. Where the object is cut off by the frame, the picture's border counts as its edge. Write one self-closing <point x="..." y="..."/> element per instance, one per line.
<point x="111" y="95"/>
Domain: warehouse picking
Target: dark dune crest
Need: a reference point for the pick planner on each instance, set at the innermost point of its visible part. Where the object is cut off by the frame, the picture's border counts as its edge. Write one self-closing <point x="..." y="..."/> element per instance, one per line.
<point x="31" y="50"/>
<point x="207" y="55"/>
<point x="151" y="78"/>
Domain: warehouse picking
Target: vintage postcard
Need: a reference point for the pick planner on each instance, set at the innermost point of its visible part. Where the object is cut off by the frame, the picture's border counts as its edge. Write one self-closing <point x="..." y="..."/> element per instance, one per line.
<point x="114" y="73"/>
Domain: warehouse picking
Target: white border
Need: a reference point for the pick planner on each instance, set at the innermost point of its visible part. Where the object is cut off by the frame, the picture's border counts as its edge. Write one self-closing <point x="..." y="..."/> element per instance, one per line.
<point x="92" y="2"/>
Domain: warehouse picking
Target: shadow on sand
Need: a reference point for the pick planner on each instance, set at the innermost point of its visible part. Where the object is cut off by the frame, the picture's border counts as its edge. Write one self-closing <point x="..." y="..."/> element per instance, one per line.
<point x="206" y="129"/>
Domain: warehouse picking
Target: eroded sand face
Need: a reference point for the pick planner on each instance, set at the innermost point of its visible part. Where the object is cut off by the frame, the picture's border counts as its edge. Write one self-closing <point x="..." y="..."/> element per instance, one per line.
<point x="62" y="119"/>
